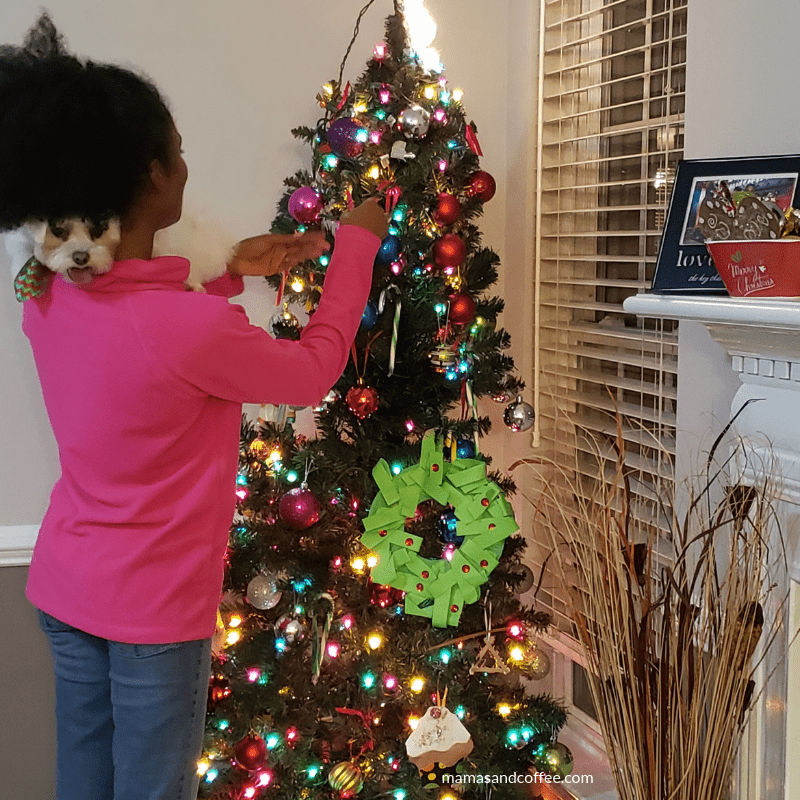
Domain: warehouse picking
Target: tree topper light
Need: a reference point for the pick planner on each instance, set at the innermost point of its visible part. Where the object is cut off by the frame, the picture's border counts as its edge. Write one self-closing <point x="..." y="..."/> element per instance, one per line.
<point x="421" y="32"/>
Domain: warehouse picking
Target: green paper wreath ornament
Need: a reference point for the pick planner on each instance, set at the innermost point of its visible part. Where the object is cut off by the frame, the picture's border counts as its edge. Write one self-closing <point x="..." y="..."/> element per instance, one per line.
<point x="437" y="588"/>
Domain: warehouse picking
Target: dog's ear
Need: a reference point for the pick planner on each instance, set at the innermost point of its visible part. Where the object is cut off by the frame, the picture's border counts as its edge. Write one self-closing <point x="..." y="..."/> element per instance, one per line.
<point x="37" y="230"/>
<point x="114" y="232"/>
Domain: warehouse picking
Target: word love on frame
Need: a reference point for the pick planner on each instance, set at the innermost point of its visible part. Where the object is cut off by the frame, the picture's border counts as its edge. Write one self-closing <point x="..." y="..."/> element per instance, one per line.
<point x="718" y="186"/>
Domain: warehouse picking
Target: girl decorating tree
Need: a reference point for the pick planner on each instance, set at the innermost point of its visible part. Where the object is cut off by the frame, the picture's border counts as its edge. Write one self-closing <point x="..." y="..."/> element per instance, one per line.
<point x="143" y="383"/>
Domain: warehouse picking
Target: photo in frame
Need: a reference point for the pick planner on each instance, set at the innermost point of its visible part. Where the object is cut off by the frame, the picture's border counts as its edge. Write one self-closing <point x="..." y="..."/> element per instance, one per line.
<point x="684" y="265"/>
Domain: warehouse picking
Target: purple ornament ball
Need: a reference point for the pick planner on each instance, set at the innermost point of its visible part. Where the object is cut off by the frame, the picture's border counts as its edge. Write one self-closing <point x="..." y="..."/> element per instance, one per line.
<point x="299" y="508"/>
<point x="305" y="205"/>
<point x="343" y="138"/>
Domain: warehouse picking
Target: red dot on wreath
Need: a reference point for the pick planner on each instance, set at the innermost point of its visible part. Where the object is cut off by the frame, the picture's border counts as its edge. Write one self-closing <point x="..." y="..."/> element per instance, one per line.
<point x="492" y="526"/>
<point x="409" y="542"/>
<point x="383" y="533"/>
<point x="425" y="573"/>
<point x="484" y="563"/>
<point x="454" y="608"/>
<point x="465" y="568"/>
<point x="485" y="502"/>
<point x="420" y="587"/>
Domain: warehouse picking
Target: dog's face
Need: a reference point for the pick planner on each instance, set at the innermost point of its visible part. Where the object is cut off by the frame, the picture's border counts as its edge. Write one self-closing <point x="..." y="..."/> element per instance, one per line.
<point x="76" y="248"/>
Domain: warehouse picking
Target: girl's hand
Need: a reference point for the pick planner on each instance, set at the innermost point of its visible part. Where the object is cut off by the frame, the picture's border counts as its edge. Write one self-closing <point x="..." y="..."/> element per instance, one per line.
<point x="272" y="253"/>
<point x="368" y="215"/>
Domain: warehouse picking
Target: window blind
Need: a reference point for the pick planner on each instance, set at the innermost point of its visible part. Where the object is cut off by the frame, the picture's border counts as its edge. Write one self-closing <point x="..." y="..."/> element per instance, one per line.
<point x="612" y="89"/>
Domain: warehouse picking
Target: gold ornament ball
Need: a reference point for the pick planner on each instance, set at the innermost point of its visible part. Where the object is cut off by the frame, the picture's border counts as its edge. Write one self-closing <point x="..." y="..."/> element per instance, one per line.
<point x="259" y="449"/>
<point x="558" y="758"/>
<point x="346" y="778"/>
<point x="539" y="665"/>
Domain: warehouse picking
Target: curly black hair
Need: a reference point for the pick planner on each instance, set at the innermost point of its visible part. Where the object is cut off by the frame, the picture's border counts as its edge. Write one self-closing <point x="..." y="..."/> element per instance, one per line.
<point x="77" y="138"/>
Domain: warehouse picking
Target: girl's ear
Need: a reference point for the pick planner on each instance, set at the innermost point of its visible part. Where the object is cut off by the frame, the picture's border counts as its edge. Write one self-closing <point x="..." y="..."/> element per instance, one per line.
<point x="158" y="175"/>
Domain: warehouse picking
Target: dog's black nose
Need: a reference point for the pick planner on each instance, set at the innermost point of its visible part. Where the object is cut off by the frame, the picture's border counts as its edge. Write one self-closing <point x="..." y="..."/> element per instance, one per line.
<point x="80" y="257"/>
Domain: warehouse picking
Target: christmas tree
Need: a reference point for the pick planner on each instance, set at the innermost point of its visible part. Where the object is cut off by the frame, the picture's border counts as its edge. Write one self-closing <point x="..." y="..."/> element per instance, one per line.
<point x="373" y="641"/>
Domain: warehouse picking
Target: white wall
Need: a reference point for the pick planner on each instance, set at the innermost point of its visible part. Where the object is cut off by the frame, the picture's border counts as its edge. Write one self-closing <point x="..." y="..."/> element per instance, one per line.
<point x="240" y="74"/>
<point x="735" y="106"/>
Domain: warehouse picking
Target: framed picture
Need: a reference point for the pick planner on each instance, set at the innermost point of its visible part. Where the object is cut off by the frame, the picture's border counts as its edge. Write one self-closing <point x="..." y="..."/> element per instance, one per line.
<point x="684" y="264"/>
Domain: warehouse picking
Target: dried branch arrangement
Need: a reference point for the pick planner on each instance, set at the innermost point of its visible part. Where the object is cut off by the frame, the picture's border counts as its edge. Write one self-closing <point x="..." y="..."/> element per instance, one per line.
<point x="673" y="625"/>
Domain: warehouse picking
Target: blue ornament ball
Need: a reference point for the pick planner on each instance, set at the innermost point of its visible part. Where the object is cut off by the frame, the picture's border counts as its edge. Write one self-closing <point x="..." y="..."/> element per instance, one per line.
<point x="465" y="448"/>
<point x="370" y="316"/>
<point x="390" y="250"/>
<point x="446" y="528"/>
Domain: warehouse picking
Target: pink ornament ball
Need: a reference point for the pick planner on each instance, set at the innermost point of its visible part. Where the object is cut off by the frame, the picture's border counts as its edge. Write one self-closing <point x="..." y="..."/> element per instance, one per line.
<point x="305" y="205"/>
<point x="299" y="509"/>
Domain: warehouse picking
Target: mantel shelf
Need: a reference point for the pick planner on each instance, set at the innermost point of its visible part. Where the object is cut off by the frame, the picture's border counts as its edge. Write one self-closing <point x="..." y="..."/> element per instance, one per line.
<point x="774" y="312"/>
<point x="766" y="327"/>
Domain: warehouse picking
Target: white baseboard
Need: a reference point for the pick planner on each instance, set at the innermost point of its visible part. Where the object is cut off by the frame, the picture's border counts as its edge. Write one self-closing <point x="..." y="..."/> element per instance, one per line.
<point x="16" y="544"/>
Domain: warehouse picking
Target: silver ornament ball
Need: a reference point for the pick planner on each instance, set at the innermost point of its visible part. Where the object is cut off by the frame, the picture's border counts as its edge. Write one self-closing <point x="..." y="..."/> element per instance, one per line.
<point x="262" y="592"/>
<point x="415" y="121"/>
<point x="519" y="415"/>
<point x="292" y="628"/>
<point x="525" y="573"/>
<point x="283" y="318"/>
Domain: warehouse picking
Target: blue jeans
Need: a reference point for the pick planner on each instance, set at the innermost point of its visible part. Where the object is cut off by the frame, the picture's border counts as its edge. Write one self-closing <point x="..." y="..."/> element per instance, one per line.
<point x="129" y="717"/>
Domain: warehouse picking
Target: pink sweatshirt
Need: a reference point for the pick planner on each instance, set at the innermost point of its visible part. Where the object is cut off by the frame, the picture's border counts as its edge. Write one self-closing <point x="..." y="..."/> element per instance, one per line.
<point x="143" y="383"/>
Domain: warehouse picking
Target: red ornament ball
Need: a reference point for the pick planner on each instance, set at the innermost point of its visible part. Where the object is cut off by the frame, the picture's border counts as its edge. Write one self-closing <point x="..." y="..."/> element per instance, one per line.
<point x="448" y="209"/>
<point x="384" y="596"/>
<point x="251" y="752"/>
<point x="362" y="401"/>
<point x="462" y="309"/>
<point x="218" y="690"/>
<point x="449" y="251"/>
<point x="299" y="508"/>
<point x="482" y="185"/>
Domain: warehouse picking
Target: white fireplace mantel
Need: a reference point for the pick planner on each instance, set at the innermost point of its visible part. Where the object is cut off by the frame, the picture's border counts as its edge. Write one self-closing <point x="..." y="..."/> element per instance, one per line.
<point x="762" y="338"/>
<point x="764" y="326"/>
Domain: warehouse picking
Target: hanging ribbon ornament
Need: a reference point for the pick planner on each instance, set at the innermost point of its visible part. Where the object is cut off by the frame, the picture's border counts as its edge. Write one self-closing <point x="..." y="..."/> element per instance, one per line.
<point x="348" y="197"/>
<point x="345" y="94"/>
<point x="437" y="588"/>
<point x="472" y="139"/>
<point x="321" y="639"/>
<point x="472" y="404"/>
<point x="395" y="292"/>
<point x="392" y="193"/>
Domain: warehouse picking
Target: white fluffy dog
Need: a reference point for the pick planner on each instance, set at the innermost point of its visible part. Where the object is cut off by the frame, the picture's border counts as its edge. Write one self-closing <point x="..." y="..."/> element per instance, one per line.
<point x="80" y="249"/>
<point x="77" y="249"/>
